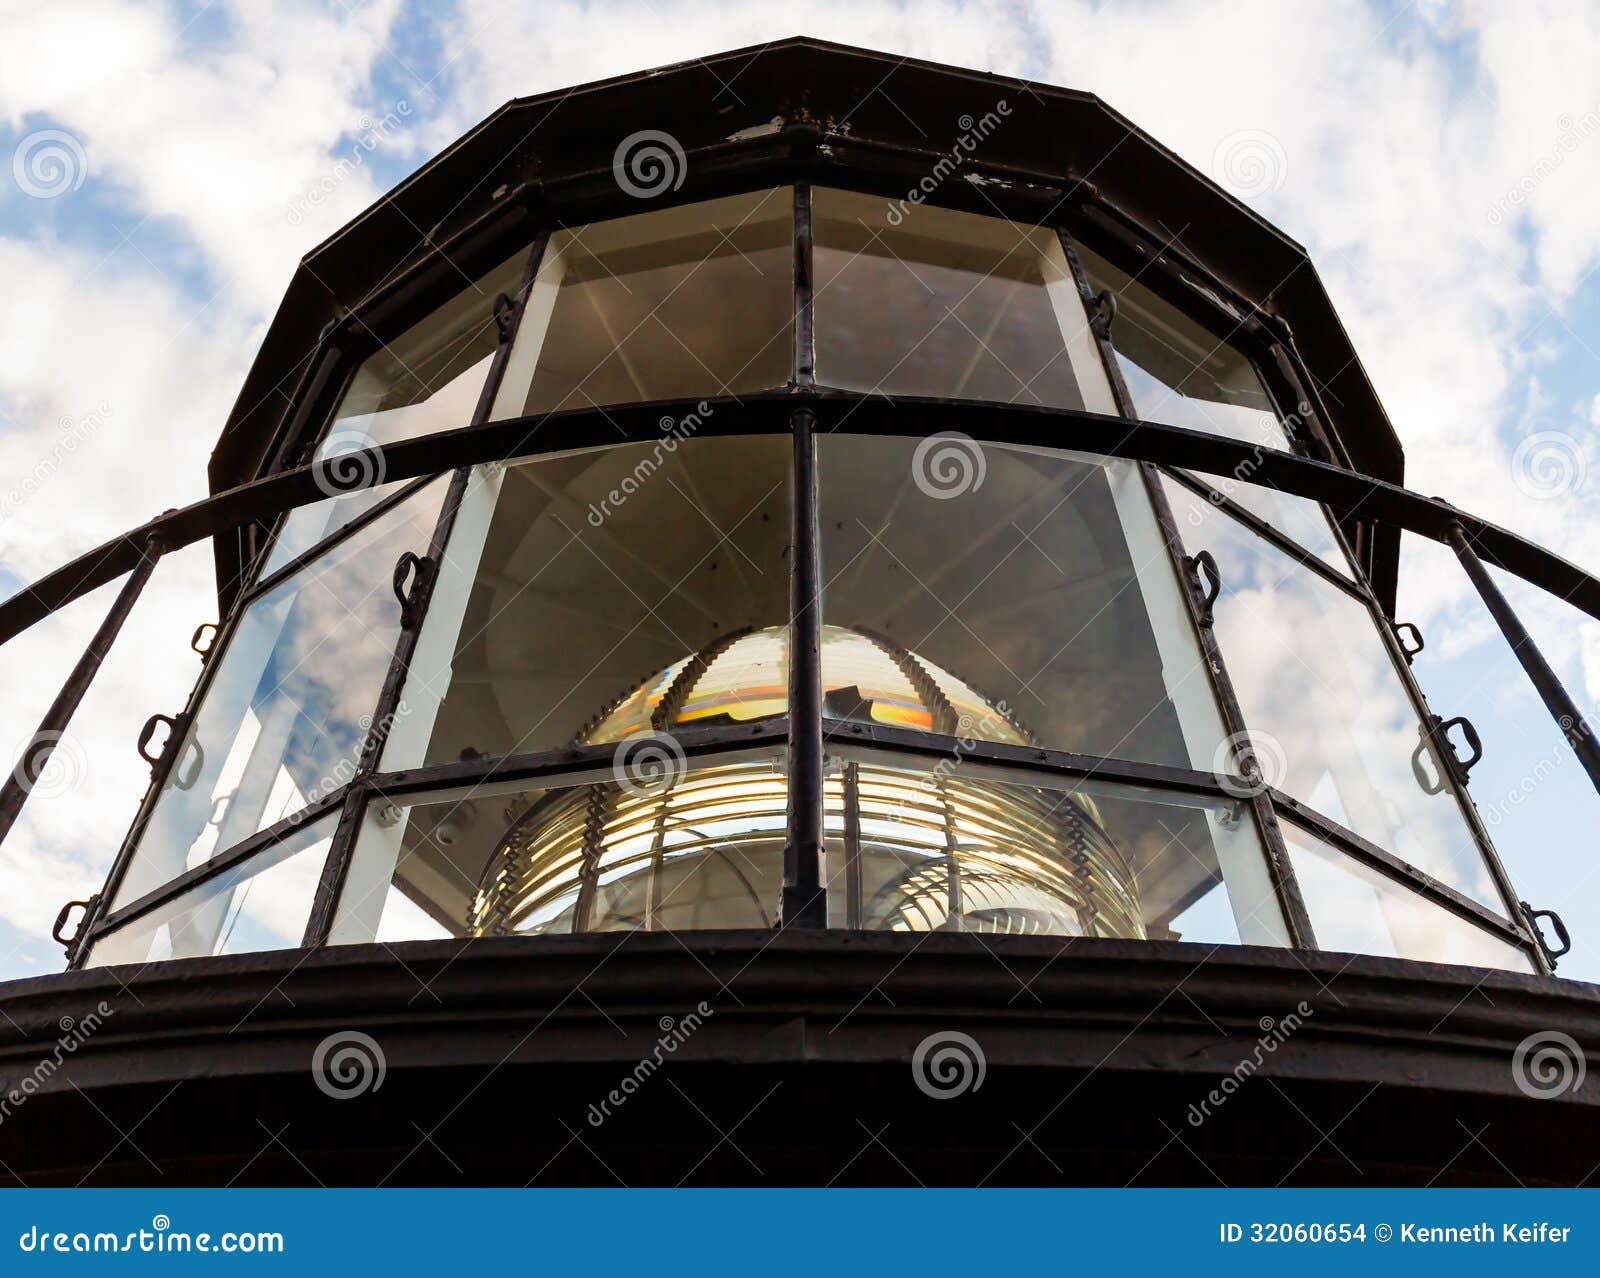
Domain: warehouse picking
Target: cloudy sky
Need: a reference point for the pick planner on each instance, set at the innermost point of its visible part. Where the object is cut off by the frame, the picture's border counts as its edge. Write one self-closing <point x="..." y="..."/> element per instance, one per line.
<point x="1440" y="160"/>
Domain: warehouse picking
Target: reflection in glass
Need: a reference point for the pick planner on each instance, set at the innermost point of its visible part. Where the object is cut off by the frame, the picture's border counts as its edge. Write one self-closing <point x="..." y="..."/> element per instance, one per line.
<point x="283" y="718"/>
<point x="261" y="904"/>
<point x="944" y="303"/>
<point x="909" y="849"/>
<point x="426" y="380"/>
<point x="976" y="849"/>
<point x="1040" y="588"/>
<point x="1179" y="372"/>
<point x="1314" y="678"/>
<point x="683" y="303"/>
<point x="573" y="580"/>
<point x="1301" y="521"/>
<point x="1356" y="909"/>
<point x="660" y="850"/>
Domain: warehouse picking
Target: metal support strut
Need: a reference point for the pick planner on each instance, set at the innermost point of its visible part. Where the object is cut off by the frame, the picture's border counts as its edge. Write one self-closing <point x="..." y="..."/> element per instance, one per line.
<point x="19" y="784"/>
<point x="1561" y="706"/>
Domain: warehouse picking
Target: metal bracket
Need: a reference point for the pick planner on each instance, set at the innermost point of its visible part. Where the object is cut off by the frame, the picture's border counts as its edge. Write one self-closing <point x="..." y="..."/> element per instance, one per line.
<point x="1533" y="916"/>
<point x="70" y="943"/>
<point x="1206" y="582"/>
<point x="1409" y="650"/>
<point x="418" y="568"/>
<point x="176" y="729"/>
<point x="1105" y="311"/>
<point x="1439" y="734"/>
<point x="504" y="309"/>
<point x="148" y="731"/>
<point x="194" y="639"/>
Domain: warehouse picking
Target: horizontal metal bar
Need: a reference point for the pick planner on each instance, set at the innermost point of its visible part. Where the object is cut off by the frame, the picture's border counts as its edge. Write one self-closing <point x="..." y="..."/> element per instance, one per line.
<point x="767" y="413"/>
<point x="541" y="765"/>
<point x="1402" y="872"/>
<point x="1056" y="763"/>
<point x="240" y="852"/>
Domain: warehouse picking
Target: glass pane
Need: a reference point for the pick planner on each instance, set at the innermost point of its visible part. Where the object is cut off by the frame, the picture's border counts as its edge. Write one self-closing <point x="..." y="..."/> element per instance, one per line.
<point x="591" y="596"/>
<point x="308" y="526"/>
<point x="1330" y="717"/>
<point x="1357" y="910"/>
<point x="674" y="304"/>
<point x="669" y="850"/>
<point x="262" y="904"/>
<point x="977" y="849"/>
<point x="1301" y="521"/>
<point x="426" y="380"/>
<point x="1530" y="790"/>
<point x="1011" y="594"/>
<point x="1179" y="372"/>
<point x="934" y="302"/>
<point x="282" y="720"/>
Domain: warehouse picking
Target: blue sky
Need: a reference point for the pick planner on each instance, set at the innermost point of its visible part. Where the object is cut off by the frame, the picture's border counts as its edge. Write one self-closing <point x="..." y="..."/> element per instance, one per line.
<point x="1441" y="161"/>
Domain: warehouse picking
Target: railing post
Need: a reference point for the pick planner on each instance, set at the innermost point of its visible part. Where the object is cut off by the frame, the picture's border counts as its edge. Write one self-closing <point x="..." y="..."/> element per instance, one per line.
<point x="19" y="784"/>
<point x="1561" y="706"/>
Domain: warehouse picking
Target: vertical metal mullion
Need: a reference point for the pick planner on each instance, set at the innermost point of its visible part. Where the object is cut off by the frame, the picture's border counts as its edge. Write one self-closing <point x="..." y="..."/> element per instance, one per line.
<point x="805" y="338"/>
<point x="851" y="787"/>
<point x="20" y="781"/>
<point x="337" y="866"/>
<point x="804" y="903"/>
<point x="1279" y="866"/>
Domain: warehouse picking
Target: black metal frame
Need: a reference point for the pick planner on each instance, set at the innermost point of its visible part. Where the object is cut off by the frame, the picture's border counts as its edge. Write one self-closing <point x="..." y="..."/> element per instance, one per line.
<point x="794" y="157"/>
